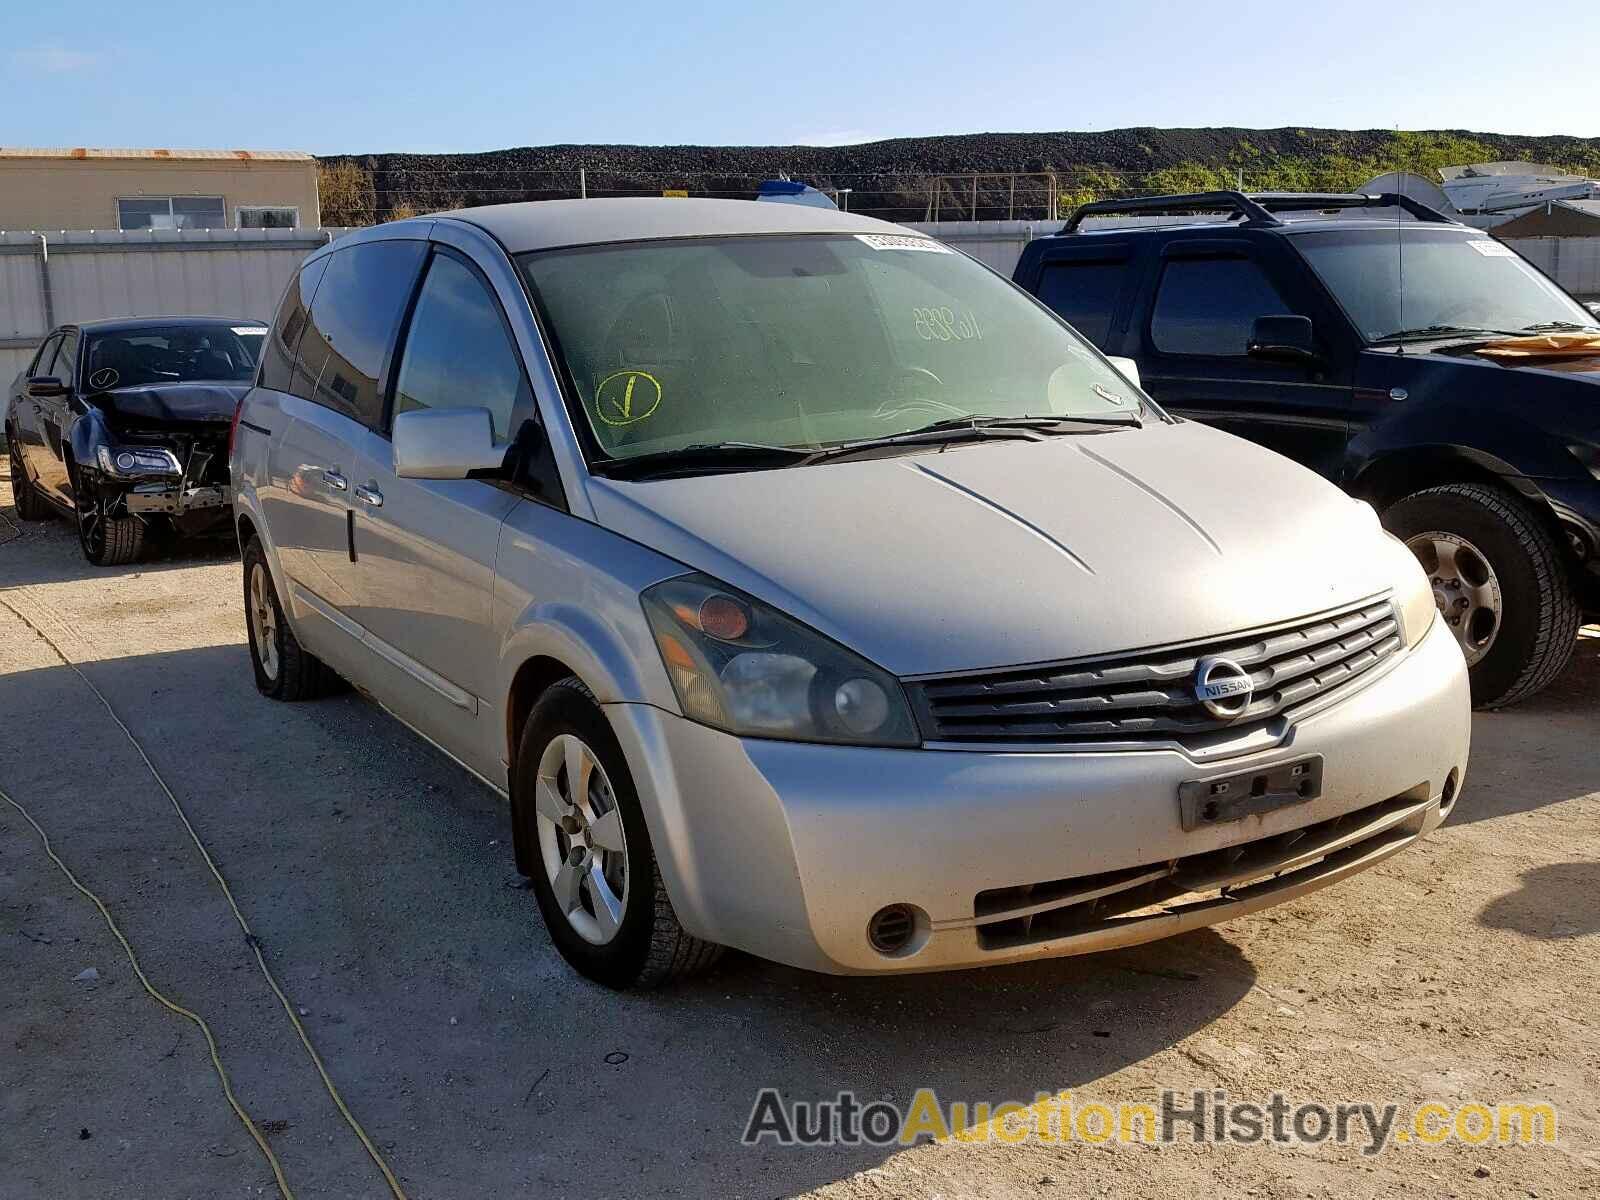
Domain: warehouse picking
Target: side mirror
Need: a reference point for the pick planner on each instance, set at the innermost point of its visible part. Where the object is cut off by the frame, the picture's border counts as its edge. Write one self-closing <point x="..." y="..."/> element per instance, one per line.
<point x="43" y="386"/>
<point x="1594" y="307"/>
<point x="446" y="443"/>
<point x="1127" y="368"/>
<point x="1287" y="338"/>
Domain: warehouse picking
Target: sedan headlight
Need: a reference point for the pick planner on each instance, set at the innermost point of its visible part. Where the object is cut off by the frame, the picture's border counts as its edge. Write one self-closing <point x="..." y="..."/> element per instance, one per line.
<point x="741" y="666"/>
<point x="1413" y="595"/>
<point x="128" y="461"/>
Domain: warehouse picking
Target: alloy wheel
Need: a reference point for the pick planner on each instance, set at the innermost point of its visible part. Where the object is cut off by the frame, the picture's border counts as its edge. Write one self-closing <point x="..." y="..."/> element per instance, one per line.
<point x="263" y="621"/>
<point x="1465" y="588"/>
<point x="582" y="845"/>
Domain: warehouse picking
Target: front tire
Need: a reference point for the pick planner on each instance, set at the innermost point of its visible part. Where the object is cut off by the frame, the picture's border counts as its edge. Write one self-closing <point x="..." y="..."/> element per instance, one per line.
<point x="585" y="844"/>
<point x="107" y="541"/>
<point x="30" y="505"/>
<point x="284" y="670"/>
<point x="1500" y="584"/>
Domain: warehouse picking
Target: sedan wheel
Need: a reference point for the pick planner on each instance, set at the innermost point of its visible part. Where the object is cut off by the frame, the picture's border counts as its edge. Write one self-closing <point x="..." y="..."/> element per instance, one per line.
<point x="1465" y="588"/>
<point x="582" y="845"/>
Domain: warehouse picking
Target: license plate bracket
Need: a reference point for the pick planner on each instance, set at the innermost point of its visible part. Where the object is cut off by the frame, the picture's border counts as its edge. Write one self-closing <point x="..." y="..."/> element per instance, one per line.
<point x="1225" y="798"/>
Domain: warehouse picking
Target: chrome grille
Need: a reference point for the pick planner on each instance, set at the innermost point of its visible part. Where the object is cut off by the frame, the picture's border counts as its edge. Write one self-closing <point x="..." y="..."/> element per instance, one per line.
<point x="1149" y="696"/>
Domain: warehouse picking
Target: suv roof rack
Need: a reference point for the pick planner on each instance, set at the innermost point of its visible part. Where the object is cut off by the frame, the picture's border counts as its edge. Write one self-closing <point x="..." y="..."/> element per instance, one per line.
<point x="1256" y="210"/>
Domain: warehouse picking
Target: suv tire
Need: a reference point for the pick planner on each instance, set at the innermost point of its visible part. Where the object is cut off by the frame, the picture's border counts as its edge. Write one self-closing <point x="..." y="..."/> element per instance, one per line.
<point x="30" y="505"/>
<point x="649" y="946"/>
<point x="284" y="669"/>
<point x="1539" y="620"/>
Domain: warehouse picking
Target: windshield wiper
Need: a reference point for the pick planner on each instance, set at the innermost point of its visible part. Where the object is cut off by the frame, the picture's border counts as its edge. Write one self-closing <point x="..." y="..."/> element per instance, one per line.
<point x="1429" y="331"/>
<point x="1555" y="326"/>
<point x="1051" y="424"/>
<point x="703" y="458"/>
<point x="971" y="429"/>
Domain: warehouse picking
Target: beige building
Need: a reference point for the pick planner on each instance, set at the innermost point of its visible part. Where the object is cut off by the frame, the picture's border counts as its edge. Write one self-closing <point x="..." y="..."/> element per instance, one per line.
<point x="157" y="189"/>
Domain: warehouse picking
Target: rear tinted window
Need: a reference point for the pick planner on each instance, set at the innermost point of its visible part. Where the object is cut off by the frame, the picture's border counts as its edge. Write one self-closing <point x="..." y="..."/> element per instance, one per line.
<point x="353" y="321"/>
<point x="1085" y="295"/>
<point x="277" y="358"/>
<point x="1207" y="305"/>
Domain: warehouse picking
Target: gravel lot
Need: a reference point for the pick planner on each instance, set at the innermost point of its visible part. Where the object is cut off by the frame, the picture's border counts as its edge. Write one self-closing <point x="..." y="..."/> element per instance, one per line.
<point x="379" y="880"/>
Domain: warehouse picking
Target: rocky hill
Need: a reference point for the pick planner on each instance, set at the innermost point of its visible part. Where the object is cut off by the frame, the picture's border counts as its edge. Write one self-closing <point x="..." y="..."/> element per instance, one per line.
<point x="901" y="178"/>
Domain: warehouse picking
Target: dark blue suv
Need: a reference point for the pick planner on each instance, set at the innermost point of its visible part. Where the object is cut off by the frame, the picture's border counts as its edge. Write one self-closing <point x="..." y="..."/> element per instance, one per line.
<point x="1349" y="333"/>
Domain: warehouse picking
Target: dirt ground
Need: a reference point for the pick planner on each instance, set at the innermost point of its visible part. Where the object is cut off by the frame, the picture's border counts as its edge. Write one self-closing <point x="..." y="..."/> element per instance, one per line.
<point x="378" y="877"/>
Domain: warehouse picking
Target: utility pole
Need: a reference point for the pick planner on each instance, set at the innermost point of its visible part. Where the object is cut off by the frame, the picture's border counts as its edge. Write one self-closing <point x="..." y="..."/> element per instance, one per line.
<point x="583" y="184"/>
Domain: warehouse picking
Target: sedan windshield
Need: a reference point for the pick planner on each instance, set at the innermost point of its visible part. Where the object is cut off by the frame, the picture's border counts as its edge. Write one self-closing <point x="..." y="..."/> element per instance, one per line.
<point x="172" y="354"/>
<point x="1411" y="281"/>
<point x="804" y="341"/>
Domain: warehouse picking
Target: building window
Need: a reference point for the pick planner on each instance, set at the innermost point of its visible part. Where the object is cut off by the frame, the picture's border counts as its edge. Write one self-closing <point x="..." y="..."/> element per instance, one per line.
<point x="267" y="216"/>
<point x="172" y="212"/>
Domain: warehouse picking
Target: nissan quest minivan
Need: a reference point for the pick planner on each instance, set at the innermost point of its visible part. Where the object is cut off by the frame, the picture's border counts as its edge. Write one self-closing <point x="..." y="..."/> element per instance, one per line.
<point x="809" y="589"/>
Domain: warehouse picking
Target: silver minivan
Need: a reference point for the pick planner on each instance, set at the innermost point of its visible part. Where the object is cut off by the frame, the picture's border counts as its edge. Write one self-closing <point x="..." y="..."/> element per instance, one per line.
<point x="809" y="589"/>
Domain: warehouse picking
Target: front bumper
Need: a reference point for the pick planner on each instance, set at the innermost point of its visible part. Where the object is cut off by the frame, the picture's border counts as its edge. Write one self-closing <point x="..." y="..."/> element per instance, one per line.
<point x="787" y="850"/>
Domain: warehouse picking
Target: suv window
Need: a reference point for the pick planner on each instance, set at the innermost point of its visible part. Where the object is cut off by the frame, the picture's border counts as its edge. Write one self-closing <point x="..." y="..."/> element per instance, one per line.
<point x="458" y="353"/>
<point x="1208" y="305"/>
<point x="1084" y="294"/>
<point x="277" y="356"/>
<point x="354" y="317"/>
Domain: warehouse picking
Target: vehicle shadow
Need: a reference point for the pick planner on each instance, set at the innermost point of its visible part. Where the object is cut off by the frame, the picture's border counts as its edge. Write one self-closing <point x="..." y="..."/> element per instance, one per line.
<point x="380" y="878"/>
<point x="1539" y="752"/>
<point x="1558" y="900"/>
<point x="47" y="551"/>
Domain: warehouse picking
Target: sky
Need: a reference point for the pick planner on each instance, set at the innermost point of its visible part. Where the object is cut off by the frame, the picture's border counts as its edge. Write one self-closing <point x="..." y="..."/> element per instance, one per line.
<point x="360" y="76"/>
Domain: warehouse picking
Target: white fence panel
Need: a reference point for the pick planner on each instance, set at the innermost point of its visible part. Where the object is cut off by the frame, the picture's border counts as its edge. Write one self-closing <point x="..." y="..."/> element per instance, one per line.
<point x="1573" y="262"/>
<point x="997" y="244"/>
<point x="93" y="274"/>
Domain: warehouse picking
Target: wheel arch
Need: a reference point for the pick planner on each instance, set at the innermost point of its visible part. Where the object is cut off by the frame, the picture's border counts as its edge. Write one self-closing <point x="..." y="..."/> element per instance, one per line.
<point x="245" y="526"/>
<point x="1390" y="478"/>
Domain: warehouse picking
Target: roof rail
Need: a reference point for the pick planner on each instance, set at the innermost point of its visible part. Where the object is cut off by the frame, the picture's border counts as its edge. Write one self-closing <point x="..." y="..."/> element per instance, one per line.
<point x="1256" y="210"/>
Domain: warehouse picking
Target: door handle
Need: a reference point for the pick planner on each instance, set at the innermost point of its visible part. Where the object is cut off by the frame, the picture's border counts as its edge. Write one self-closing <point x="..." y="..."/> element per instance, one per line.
<point x="336" y="481"/>
<point x="369" y="496"/>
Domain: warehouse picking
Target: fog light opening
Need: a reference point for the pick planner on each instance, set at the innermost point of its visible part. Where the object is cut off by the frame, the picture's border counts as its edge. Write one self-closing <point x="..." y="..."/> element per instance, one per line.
<point x="897" y="930"/>
<point x="1447" y="797"/>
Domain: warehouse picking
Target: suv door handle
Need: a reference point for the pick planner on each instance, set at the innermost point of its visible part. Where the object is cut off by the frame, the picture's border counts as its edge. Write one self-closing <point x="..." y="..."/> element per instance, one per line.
<point x="336" y="481"/>
<point x="369" y="496"/>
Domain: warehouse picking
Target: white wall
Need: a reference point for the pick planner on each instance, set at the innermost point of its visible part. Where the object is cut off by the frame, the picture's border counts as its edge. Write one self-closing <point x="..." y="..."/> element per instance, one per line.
<point x="85" y="276"/>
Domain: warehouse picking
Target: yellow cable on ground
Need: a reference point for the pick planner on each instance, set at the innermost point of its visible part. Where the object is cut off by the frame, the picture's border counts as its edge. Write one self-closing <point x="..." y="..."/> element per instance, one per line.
<point x="249" y="935"/>
<point x="211" y="1042"/>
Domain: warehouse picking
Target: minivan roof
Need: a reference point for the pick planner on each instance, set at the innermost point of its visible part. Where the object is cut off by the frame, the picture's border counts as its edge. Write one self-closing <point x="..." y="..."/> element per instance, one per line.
<point x="547" y="224"/>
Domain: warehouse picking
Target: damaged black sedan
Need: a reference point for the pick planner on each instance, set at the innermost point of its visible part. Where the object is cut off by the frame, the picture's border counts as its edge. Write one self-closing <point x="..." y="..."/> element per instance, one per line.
<point x="123" y="426"/>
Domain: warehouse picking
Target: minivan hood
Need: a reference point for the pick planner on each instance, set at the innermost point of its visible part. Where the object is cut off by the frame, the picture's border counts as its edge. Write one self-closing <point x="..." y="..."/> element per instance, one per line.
<point x="1008" y="552"/>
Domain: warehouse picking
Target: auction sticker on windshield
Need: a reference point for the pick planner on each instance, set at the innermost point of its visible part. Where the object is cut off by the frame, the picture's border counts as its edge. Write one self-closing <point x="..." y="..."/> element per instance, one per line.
<point x="1490" y="248"/>
<point x="891" y="241"/>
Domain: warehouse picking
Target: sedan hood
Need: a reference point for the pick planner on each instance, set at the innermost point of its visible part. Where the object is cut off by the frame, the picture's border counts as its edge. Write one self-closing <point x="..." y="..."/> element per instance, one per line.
<point x="1006" y="552"/>
<point x="172" y="403"/>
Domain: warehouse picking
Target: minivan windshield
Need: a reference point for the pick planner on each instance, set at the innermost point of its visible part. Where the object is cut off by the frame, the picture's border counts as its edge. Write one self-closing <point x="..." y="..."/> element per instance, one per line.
<point x="1411" y="280"/>
<point x="804" y="341"/>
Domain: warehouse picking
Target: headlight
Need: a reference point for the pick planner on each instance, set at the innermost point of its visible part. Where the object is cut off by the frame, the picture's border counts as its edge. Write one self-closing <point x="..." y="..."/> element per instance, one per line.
<point x="128" y="460"/>
<point x="1413" y="595"/>
<point x="744" y="667"/>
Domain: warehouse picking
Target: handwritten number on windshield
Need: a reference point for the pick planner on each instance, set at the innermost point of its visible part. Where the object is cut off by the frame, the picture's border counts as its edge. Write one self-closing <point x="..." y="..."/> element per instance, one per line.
<point x="942" y="325"/>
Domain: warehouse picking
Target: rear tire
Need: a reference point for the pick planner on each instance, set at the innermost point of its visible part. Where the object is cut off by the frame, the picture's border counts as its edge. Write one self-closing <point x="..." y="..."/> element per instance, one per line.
<point x="30" y="505"/>
<point x="1539" y="618"/>
<point x="284" y="670"/>
<point x="648" y="946"/>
